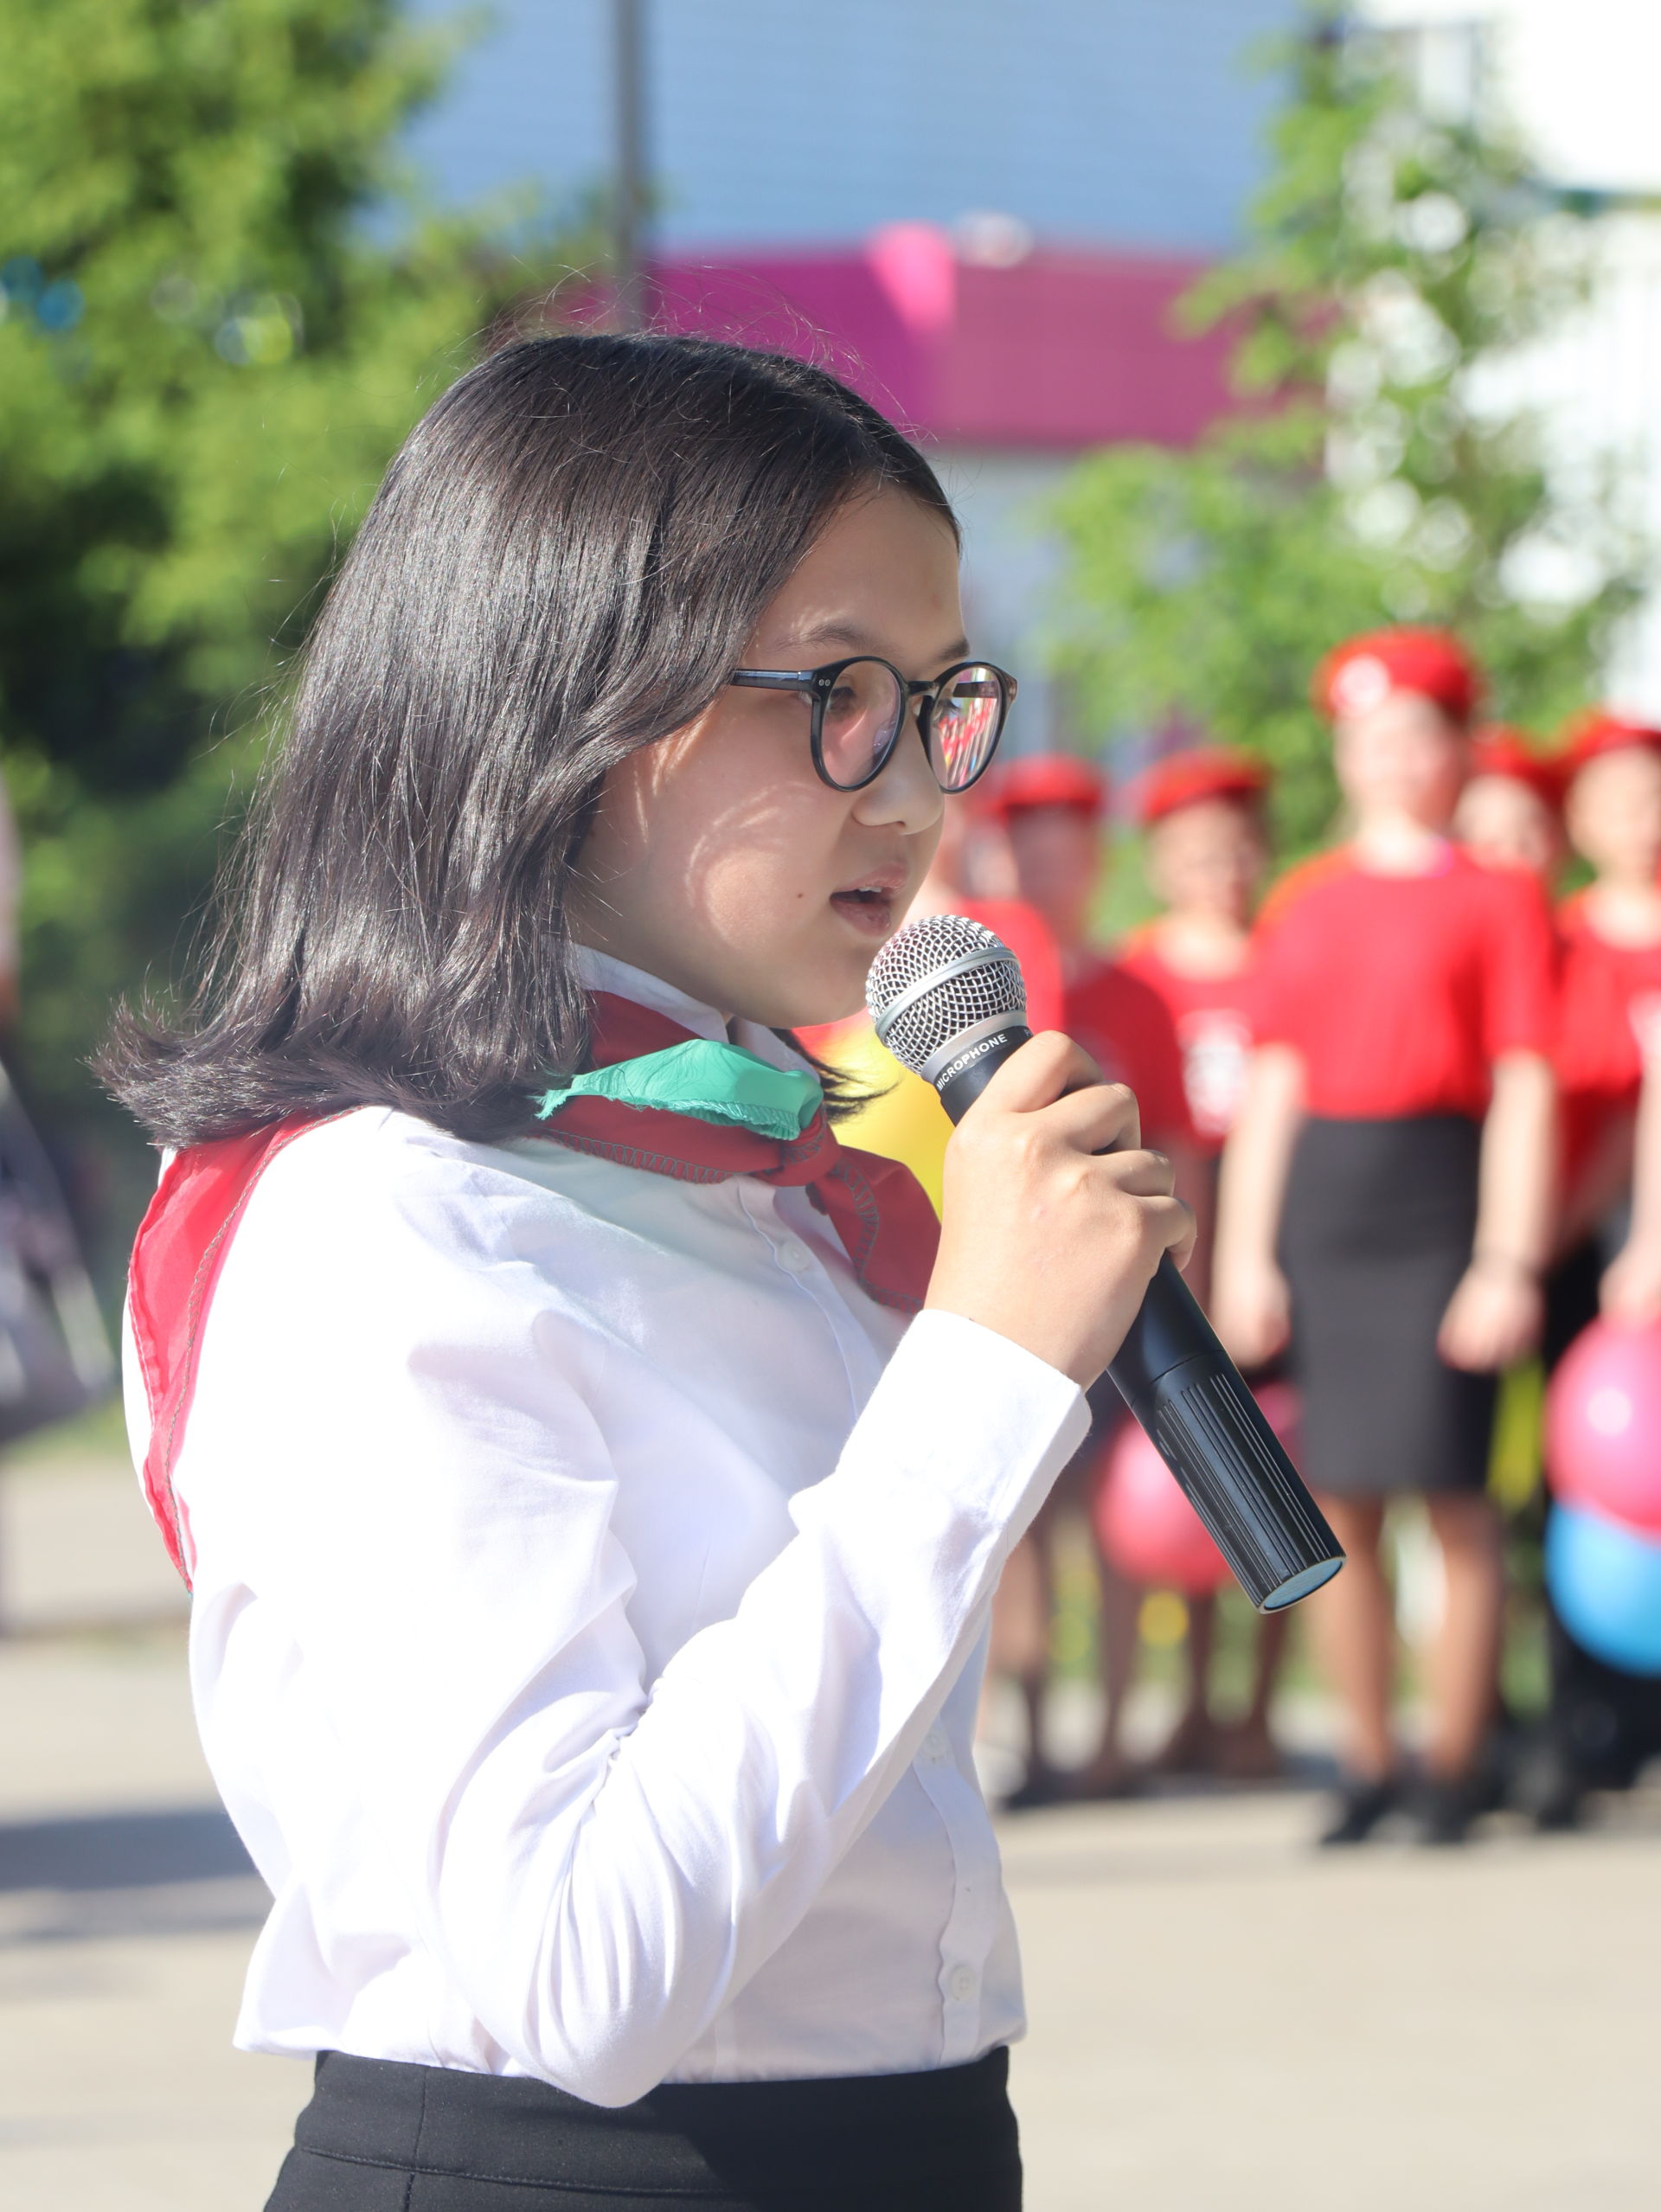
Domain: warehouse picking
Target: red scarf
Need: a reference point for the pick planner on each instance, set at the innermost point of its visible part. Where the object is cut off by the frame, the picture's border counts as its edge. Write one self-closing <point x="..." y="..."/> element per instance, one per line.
<point x="877" y="1208"/>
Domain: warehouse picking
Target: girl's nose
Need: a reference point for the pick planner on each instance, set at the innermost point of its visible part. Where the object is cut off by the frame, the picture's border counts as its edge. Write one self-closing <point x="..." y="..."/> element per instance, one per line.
<point x="906" y="791"/>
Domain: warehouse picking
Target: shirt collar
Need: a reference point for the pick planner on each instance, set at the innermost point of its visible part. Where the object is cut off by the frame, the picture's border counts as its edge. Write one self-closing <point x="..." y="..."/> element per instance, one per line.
<point x="600" y="971"/>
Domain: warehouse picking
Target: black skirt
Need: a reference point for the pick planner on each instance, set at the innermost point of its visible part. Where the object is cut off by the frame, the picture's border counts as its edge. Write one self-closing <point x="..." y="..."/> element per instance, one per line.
<point x="382" y="2137"/>
<point x="1377" y="1230"/>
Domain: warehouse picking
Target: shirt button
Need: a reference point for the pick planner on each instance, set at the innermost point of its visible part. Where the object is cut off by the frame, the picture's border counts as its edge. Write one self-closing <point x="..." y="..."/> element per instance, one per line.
<point x="937" y="1746"/>
<point x="961" y="1983"/>
<point x="796" y="1256"/>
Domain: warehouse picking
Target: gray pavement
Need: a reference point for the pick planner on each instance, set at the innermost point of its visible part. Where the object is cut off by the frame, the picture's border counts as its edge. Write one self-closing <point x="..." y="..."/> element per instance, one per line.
<point x="1220" y="2016"/>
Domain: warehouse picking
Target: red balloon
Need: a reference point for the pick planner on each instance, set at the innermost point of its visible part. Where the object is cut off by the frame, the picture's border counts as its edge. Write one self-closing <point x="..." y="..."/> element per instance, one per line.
<point x="1603" y="1424"/>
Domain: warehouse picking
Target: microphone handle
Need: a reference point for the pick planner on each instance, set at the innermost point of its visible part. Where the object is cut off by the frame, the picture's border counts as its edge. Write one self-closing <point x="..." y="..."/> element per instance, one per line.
<point x="1190" y="1397"/>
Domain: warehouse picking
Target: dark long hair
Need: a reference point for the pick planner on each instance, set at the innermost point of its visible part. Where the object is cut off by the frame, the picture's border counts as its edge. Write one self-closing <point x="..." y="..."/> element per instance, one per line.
<point x="565" y="562"/>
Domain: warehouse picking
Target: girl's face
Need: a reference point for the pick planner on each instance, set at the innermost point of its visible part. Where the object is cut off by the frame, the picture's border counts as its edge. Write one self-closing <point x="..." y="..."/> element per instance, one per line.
<point x="1614" y="813"/>
<point x="1502" y="823"/>
<point x="1208" y="858"/>
<point x="718" y="860"/>
<point x="1401" y="757"/>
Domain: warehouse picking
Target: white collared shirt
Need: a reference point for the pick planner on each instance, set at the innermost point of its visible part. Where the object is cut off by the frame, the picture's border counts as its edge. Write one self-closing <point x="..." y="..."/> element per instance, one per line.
<point x="590" y="1589"/>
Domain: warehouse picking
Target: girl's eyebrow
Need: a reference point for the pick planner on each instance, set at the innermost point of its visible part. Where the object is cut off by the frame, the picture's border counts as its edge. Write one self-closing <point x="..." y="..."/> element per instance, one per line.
<point x="852" y="640"/>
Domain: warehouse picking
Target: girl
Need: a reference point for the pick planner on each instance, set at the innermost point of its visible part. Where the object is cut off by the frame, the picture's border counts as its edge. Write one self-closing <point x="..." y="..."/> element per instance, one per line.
<point x="1394" y="1154"/>
<point x="1604" y="1723"/>
<point x="1610" y="1025"/>
<point x="591" y="1566"/>
<point x="1206" y="852"/>
<point x="1510" y="812"/>
<point x="1051" y="806"/>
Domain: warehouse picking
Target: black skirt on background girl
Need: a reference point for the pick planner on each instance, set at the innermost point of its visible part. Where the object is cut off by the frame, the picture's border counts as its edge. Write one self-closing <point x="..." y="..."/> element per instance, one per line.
<point x="1375" y="1235"/>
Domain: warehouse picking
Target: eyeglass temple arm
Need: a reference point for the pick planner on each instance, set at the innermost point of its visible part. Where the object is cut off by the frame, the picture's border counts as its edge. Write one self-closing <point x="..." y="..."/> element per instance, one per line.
<point x="775" y="679"/>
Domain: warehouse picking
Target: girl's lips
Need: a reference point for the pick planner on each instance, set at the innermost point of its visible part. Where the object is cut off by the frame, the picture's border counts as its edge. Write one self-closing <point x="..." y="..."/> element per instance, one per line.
<point x="871" y="912"/>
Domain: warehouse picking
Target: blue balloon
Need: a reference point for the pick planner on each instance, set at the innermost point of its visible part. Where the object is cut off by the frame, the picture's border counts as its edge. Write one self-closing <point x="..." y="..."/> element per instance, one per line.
<point x="1606" y="1584"/>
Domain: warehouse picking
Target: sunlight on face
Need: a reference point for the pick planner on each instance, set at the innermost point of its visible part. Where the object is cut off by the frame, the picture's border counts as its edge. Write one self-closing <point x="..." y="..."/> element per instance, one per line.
<point x="1208" y="858"/>
<point x="1057" y="851"/>
<point x="1403" y="758"/>
<point x="719" y="861"/>
<point x="1614" y="813"/>
<point x="1502" y="823"/>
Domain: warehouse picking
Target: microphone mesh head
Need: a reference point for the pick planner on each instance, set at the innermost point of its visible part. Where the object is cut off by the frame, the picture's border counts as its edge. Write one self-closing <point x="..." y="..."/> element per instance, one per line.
<point x="991" y="985"/>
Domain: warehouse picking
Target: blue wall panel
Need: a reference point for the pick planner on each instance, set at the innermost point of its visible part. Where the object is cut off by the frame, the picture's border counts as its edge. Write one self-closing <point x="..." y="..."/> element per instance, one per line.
<point x="1132" y="122"/>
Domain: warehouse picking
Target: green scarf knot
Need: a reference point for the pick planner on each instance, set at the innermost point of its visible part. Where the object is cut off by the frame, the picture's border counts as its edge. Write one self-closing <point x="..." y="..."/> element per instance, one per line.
<point x="714" y="1082"/>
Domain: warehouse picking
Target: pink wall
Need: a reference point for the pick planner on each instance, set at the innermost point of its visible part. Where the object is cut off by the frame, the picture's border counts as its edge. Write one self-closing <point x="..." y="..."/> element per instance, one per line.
<point x="1064" y="349"/>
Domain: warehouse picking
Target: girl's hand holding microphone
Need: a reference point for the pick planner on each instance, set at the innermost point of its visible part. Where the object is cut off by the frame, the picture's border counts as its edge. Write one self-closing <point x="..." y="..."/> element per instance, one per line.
<point x="1054" y="1218"/>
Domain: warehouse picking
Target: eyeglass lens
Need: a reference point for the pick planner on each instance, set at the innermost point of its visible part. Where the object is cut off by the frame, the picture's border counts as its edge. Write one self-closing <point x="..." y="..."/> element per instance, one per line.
<point x="861" y="712"/>
<point x="964" y="727"/>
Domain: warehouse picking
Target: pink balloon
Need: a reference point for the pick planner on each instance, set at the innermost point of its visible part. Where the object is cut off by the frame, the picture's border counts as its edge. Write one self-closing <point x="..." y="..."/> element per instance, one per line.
<point x="1145" y="1524"/>
<point x="1147" y="1528"/>
<point x="1603" y="1424"/>
<point x="1283" y="1410"/>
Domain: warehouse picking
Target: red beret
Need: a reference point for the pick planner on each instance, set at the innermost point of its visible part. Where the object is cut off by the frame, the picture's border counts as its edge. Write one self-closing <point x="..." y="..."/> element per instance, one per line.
<point x="1502" y="752"/>
<point x="1046" y="779"/>
<point x="1597" y="731"/>
<point x="1184" y="779"/>
<point x="1358" y="675"/>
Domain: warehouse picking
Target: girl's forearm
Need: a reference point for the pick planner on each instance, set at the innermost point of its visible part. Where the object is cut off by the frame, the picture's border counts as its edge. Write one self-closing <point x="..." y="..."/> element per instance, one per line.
<point x="1516" y="1190"/>
<point x="1257" y="1159"/>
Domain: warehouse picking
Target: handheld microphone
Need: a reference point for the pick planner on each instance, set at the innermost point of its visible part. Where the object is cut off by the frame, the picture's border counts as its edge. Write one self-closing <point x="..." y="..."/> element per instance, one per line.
<point x="948" y="1000"/>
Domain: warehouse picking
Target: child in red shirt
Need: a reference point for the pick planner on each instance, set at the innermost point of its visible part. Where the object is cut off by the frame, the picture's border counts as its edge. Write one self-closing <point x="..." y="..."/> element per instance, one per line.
<point x="1206" y="852"/>
<point x="1603" y="1724"/>
<point x="1609" y="1024"/>
<point x="1051" y="807"/>
<point x="1206" y="855"/>
<point x="1510" y="812"/>
<point x="1393" y="1156"/>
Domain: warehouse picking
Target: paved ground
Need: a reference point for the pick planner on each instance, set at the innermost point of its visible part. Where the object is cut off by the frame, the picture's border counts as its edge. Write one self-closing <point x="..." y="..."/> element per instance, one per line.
<point x="1219" y="2016"/>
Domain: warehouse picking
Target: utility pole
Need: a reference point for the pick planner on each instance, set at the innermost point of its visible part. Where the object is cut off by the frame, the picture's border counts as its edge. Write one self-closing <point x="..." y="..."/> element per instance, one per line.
<point x="628" y="59"/>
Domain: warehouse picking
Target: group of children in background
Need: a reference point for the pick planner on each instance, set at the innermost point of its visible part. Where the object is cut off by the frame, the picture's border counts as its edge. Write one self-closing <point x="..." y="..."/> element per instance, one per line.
<point x="1407" y="1100"/>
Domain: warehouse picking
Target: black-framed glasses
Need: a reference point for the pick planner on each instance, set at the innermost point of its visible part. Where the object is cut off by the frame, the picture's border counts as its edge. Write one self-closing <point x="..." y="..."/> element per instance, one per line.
<point x="859" y="712"/>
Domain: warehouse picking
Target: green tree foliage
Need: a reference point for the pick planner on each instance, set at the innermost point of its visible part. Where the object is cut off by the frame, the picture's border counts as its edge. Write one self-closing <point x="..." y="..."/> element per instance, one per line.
<point x="1374" y="471"/>
<point x="222" y="311"/>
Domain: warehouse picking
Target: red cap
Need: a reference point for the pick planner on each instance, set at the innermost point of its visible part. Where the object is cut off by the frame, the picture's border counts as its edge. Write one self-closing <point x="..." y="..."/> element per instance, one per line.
<point x="1598" y="731"/>
<point x="1184" y="779"/>
<point x="1359" y="674"/>
<point x="1499" y="751"/>
<point x="1046" y="779"/>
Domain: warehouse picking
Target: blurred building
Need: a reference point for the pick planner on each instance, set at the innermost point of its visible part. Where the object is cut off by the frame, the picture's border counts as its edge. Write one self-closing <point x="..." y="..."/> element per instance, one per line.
<point x="919" y="190"/>
<point x="776" y="122"/>
<point x="980" y="212"/>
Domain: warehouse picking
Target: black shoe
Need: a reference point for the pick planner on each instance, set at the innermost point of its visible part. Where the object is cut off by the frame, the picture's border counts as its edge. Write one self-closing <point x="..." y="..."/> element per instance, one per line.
<point x="1561" y="1809"/>
<point x="1443" y="1812"/>
<point x="1042" y="1786"/>
<point x="1549" y="1787"/>
<point x="1357" y="1810"/>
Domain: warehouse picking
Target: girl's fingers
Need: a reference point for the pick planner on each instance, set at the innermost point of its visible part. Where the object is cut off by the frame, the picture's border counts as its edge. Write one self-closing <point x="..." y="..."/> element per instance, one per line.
<point x="1173" y="1223"/>
<point x="1144" y="1175"/>
<point x="1045" y="1069"/>
<point x="1097" y="1118"/>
